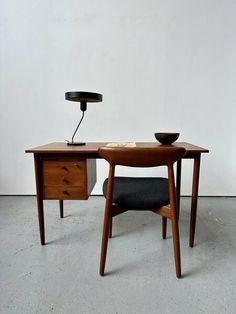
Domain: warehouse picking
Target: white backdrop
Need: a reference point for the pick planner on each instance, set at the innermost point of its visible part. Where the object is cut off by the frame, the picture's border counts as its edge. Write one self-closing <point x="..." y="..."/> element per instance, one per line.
<point x="161" y="66"/>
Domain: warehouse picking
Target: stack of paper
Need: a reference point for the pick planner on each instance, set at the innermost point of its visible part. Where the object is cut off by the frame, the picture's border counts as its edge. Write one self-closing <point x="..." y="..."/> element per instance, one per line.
<point x="129" y="144"/>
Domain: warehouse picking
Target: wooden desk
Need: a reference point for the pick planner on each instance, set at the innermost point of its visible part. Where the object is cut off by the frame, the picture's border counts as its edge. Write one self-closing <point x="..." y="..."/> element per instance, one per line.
<point x="65" y="172"/>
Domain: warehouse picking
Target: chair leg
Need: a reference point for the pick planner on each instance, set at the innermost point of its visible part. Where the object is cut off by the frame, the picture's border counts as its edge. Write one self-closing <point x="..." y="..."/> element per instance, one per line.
<point x="164" y="225"/>
<point x="105" y="233"/>
<point x="110" y="228"/>
<point x="175" y="233"/>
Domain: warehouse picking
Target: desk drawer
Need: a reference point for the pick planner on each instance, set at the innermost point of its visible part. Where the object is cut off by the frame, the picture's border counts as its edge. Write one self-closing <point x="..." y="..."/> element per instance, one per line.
<point x="64" y="193"/>
<point x="51" y="168"/>
<point x="64" y="180"/>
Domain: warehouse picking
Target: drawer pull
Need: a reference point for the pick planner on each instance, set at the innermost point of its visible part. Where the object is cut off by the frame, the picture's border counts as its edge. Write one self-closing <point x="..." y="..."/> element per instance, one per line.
<point x="76" y="165"/>
<point x="65" y="181"/>
<point x="65" y="169"/>
<point x="66" y="193"/>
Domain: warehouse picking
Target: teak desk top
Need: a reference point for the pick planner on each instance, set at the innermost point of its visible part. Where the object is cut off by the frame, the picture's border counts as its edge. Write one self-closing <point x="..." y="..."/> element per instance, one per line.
<point x="92" y="148"/>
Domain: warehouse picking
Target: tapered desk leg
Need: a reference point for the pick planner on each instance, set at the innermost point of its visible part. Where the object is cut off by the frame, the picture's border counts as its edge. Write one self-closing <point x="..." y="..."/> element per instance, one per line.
<point x="38" y="178"/>
<point x="178" y="185"/>
<point x="41" y="220"/>
<point x="196" y="171"/>
<point x="61" y="208"/>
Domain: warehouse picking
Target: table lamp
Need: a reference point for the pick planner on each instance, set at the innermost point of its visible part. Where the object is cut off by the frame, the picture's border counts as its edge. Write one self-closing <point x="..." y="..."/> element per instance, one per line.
<point x="83" y="98"/>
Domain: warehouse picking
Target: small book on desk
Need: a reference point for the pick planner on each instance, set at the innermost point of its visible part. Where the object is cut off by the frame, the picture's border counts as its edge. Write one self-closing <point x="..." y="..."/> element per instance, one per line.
<point x="126" y="144"/>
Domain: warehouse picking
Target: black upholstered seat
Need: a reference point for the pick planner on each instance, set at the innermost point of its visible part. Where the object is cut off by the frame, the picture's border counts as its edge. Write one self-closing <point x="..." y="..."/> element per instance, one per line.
<point x="139" y="193"/>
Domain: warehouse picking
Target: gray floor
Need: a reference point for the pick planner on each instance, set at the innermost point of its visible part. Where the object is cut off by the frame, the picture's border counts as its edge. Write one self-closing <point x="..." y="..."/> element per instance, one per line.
<point x="62" y="277"/>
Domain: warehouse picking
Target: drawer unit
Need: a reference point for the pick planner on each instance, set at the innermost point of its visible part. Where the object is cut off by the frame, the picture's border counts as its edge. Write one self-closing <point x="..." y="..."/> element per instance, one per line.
<point x="68" y="179"/>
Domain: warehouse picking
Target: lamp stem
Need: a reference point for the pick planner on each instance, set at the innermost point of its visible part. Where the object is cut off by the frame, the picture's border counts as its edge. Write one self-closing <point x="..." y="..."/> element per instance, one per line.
<point x="77" y="127"/>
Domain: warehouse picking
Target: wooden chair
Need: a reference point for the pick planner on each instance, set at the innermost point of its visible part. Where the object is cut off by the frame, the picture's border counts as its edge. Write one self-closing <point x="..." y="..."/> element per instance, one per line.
<point x="153" y="194"/>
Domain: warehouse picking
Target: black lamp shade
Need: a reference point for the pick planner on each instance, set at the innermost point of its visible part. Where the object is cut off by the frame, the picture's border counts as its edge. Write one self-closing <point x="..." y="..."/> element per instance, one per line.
<point x="83" y="96"/>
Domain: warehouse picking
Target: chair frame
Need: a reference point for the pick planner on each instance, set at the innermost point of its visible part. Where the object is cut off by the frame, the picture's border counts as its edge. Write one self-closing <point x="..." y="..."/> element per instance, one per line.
<point x="142" y="157"/>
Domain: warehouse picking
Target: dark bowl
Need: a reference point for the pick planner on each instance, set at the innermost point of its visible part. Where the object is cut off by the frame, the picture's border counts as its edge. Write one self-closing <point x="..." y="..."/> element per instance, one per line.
<point x="166" y="138"/>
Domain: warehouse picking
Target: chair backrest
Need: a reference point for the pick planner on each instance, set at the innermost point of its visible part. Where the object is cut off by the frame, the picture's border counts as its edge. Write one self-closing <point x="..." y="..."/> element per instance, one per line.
<point x="142" y="156"/>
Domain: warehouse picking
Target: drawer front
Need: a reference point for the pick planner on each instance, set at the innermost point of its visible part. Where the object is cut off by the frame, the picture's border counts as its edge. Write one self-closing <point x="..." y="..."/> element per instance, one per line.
<point x="64" y="180"/>
<point x="72" y="168"/>
<point x="64" y="193"/>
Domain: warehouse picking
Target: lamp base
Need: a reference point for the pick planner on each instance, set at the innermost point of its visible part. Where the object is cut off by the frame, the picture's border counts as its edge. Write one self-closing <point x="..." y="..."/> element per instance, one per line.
<point x="76" y="143"/>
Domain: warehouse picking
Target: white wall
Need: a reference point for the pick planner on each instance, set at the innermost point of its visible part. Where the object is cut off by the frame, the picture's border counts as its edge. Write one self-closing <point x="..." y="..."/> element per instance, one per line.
<point x="161" y="65"/>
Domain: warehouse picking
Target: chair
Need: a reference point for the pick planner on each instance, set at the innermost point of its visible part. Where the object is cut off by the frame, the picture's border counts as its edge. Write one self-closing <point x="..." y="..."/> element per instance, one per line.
<point x="131" y="193"/>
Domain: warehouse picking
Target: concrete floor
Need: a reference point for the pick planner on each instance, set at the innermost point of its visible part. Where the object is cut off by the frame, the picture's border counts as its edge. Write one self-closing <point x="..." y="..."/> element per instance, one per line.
<point x="62" y="277"/>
